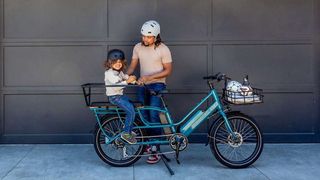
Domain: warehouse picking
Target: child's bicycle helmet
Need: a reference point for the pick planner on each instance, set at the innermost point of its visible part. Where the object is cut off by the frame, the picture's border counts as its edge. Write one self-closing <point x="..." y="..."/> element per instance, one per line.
<point x="116" y="54"/>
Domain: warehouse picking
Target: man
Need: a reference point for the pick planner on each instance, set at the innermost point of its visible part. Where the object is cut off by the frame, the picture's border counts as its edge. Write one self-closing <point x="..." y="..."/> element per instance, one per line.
<point x="155" y="65"/>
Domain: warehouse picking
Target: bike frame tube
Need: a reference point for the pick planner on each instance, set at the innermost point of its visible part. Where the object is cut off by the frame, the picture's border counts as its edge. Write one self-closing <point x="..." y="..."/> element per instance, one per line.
<point x="190" y="125"/>
<point x="193" y="123"/>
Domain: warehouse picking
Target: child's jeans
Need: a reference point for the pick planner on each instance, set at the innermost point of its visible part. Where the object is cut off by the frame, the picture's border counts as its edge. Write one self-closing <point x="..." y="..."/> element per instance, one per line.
<point x="124" y="103"/>
<point x="145" y="97"/>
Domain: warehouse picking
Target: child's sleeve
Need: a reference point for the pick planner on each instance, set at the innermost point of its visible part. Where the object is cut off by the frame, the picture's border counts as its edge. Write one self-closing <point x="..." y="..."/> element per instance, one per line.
<point x="124" y="76"/>
<point x="111" y="79"/>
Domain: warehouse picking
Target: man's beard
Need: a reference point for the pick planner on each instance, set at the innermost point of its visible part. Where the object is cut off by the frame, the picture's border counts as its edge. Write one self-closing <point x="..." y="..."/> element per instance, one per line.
<point x="146" y="45"/>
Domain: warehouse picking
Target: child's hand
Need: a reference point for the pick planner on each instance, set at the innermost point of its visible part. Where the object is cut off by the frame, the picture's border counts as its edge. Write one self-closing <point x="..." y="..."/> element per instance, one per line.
<point x="131" y="79"/>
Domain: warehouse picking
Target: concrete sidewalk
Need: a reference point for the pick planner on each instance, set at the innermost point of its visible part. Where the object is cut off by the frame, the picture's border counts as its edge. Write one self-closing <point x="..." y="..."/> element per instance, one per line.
<point x="70" y="161"/>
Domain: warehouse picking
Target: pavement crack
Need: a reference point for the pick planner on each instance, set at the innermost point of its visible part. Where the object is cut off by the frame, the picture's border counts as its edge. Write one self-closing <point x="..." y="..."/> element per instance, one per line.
<point x="27" y="153"/>
<point x="261" y="172"/>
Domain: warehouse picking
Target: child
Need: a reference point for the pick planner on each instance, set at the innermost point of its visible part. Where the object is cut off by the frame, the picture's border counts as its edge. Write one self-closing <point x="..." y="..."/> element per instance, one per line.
<point x="115" y="64"/>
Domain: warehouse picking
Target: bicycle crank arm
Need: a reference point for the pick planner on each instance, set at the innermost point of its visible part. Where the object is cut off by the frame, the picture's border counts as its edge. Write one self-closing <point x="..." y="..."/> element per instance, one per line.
<point x="177" y="152"/>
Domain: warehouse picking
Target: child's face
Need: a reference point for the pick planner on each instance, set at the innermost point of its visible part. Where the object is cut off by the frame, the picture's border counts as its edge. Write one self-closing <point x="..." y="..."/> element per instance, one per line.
<point x="117" y="65"/>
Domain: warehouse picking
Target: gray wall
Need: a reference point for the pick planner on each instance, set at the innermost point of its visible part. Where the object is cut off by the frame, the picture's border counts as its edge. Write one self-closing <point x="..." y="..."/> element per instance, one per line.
<point x="50" y="47"/>
<point x="317" y="60"/>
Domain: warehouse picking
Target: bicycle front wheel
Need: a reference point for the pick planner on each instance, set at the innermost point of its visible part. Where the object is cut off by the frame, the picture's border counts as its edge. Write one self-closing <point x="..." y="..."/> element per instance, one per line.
<point x="241" y="149"/>
<point x="116" y="153"/>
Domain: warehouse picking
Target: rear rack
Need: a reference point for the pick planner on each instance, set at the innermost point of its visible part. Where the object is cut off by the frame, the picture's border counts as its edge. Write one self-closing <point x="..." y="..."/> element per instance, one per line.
<point x="99" y="89"/>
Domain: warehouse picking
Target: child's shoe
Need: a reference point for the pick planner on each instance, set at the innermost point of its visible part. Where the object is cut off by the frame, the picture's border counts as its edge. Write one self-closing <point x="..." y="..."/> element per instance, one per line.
<point x="153" y="158"/>
<point x="130" y="138"/>
<point x="147" y="149"/>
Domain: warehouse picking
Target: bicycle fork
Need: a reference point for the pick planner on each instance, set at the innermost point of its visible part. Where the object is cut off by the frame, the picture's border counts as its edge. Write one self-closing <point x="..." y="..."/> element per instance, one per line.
<point x="224" y="116"/>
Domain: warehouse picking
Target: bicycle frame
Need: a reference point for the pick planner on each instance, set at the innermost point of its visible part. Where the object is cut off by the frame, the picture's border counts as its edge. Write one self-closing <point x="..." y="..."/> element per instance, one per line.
<point x="191" y="122"/>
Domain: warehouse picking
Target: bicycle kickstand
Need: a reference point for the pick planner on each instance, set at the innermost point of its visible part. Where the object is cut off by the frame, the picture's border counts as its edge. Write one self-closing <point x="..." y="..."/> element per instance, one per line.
<point x="165" y="160"/>
<point x="165" y="157"/>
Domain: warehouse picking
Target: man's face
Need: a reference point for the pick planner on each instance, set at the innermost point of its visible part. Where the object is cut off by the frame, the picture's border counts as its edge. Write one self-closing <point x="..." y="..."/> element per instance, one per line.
<point x="148" y="40"/>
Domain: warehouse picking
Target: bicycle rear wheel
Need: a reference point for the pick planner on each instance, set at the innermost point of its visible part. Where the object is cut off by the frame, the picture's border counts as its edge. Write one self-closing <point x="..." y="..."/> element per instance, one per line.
<point x="116" y="153"/>
<point x="240" y="151"/>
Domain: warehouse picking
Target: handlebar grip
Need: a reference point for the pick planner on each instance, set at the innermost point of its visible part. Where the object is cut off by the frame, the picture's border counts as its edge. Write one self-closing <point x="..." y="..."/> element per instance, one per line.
<point x="219" y="76"/>
<point x="209" y="77"/>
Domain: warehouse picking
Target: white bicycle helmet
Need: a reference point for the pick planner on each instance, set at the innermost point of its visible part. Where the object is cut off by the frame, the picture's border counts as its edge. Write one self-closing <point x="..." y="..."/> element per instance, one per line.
<point x="234" y="86"/>
<point x="246" y="90"/>
<point x="150" y="28"/>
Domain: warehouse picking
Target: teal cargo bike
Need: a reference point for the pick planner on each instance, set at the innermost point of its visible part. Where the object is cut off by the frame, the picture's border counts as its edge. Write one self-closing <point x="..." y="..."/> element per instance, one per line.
<point x="235" y="139"/>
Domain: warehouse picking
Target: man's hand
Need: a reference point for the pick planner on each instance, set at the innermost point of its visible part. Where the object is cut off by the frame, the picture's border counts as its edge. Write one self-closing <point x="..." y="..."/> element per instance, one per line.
<point x="144" y="79"/>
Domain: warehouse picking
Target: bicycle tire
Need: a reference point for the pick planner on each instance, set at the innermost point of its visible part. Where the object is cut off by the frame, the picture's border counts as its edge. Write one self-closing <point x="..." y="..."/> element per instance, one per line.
<point x="249" y="137"/>
<point x="113" y="126"/>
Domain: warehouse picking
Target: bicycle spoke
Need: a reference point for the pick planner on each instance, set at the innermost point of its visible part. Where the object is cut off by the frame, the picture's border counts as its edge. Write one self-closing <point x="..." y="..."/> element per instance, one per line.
<point x="248" y="136"/>
<point x="248" y="130"/>
<point x="227" y="147"/>
<point x="223" y="128"/>
<point x="233" y="126"/>
<point x="245" y="126"/>
<point x="221" y="140"/>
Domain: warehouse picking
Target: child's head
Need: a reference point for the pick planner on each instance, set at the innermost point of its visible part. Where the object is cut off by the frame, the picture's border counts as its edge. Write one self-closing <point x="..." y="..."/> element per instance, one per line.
<point x="116" y="60"/>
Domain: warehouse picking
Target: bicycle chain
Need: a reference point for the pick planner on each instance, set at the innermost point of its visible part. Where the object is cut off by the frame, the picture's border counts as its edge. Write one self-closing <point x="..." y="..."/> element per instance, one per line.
<point x="160" y="153"/>
<point x="165" y="135"/>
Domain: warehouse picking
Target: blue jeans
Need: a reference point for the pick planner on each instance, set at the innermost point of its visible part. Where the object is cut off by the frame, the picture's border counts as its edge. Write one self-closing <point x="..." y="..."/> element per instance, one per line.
<point x="149" y="100"/>
<point x="124" y="103"/>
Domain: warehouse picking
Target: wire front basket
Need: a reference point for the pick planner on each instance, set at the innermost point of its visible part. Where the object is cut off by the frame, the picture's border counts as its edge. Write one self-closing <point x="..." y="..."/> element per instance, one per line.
<point x="244" y="97"/>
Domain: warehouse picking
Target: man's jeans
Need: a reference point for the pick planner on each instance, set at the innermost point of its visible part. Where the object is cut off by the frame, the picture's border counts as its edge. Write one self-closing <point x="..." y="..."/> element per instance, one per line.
<point x="147" y="99"/>
<point x="124" y="103"/>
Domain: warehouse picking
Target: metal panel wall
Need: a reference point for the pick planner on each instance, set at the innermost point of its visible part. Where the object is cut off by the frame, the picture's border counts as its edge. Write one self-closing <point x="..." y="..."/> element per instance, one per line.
<point x="1" y="69"/>
<point x="316" y="41"/>
<point x="49" y="48"/>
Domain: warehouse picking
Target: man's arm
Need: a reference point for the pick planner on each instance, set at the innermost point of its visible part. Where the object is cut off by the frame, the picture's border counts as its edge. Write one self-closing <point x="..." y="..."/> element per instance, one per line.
<point x="167" y="69"/>
<point x="132" y="67"/>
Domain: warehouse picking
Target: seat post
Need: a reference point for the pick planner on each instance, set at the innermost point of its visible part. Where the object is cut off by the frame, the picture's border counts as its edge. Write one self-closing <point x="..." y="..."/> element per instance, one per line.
<point x="163" y="103"/>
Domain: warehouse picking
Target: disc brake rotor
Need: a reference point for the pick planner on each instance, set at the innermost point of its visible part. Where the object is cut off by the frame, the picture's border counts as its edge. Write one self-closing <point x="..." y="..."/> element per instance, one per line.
<point x="236" y="141"/>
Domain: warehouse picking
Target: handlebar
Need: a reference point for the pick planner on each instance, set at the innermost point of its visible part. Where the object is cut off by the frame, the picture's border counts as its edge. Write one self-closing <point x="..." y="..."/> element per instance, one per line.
<point x="218" y="77"/>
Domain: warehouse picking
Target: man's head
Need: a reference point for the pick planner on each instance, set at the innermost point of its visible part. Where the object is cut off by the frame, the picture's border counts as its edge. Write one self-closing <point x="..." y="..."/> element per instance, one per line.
<point x="150" y="31"/>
